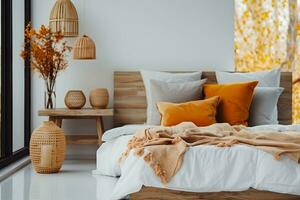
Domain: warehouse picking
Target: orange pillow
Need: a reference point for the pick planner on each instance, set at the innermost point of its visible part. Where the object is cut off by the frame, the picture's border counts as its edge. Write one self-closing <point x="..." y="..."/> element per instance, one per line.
<point x="201" y="113"/>
<point x="235" y="101"/>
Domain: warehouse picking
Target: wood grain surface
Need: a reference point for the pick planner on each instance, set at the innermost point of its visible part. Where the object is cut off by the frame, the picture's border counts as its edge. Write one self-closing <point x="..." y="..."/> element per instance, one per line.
<point x="150" y="193"/>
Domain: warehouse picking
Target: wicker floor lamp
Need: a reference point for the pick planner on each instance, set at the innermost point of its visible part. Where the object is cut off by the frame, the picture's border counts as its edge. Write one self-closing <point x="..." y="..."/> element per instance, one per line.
<point x="47" y="148"/>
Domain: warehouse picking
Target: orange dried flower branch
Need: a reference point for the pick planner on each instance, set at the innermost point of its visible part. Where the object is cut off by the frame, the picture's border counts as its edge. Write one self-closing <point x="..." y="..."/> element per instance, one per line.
<point x="47" y="53"/>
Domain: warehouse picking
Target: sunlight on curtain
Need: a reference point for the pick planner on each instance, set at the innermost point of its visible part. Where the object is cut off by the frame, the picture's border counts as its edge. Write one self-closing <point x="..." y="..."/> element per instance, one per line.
<point x="266" y="37"/>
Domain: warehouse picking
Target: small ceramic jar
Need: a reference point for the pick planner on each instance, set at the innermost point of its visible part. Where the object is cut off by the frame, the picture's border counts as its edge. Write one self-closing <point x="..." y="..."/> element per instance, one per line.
<point x="75" y="99"/>
<point x="99" y="98"/>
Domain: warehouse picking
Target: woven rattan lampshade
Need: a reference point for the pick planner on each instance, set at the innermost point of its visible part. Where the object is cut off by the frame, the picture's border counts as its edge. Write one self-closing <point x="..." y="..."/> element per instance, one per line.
<point x="64" y="18"/>
<point x="84" y="49"/>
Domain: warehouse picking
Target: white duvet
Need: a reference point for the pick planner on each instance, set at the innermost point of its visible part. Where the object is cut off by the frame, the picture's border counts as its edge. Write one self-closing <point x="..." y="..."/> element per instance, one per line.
<point x="205" y="168"/>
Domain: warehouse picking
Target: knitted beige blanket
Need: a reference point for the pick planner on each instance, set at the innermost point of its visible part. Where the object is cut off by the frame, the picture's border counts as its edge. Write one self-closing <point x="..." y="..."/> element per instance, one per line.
<point x="166" y="145"/>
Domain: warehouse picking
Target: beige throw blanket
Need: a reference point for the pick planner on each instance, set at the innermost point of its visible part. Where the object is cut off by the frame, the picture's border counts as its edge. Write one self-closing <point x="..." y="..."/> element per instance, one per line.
<point x="166" y="145"/>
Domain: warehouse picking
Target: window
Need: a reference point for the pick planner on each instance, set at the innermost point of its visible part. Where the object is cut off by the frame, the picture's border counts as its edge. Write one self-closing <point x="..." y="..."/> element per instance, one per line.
<point x="15" y="82"/>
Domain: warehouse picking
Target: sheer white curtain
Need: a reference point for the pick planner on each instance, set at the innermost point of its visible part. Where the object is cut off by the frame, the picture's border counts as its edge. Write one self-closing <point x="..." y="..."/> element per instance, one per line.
<point x="267" y="36"/>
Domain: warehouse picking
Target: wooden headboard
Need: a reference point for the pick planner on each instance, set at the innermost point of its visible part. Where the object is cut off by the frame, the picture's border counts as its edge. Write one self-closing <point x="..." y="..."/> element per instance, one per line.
<point x="130" y="98"/>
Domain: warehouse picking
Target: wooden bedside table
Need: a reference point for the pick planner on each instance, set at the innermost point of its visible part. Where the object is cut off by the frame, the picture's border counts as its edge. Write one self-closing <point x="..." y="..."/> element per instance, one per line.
<point x="57" y="116"/>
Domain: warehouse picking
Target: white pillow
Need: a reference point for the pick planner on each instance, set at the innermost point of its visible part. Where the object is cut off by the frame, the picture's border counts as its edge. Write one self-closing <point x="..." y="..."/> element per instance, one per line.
<point x="262" y="107"/>
<point x="265" y="78"/>
<point x="172" y="92"/>
<point x="167" y="77"/>
<point x="269" y="78"/>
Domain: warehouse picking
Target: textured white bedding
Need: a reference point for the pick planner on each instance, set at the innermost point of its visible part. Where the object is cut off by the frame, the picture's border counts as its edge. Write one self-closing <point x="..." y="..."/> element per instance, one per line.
<point x="205" y="168"/>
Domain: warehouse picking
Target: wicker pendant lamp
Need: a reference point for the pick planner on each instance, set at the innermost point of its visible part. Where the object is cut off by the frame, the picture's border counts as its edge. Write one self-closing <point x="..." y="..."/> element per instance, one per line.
<point x="84" y="49"/>
<point x="64" y="18"/>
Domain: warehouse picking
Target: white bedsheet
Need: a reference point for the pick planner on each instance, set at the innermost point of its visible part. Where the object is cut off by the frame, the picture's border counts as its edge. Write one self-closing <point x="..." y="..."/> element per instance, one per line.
<point x="205" y="168"/>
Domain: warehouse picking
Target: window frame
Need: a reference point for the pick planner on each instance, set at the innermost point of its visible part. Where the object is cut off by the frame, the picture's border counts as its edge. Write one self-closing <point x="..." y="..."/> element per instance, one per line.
<point x="7" y="154"/>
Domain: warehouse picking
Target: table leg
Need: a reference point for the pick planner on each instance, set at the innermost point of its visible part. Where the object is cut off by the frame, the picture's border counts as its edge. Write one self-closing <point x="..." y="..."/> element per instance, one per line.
<point x="99" y="127"/>
<point x="58" y="122"/>
<point x="53" y="119"/>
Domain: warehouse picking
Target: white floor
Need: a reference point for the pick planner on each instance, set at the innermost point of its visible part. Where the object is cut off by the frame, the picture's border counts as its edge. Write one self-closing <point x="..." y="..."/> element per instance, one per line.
<point x="74" y="182"/>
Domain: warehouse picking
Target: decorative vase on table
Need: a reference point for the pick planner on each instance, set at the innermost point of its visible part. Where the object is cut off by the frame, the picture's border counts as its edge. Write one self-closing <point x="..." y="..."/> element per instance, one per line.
<point x="50" y="95"/>
<point x="47" y="54"/>
<point x="99" y="98"/>
<point x="47" y="148"/>
<point x="75" y="99"/>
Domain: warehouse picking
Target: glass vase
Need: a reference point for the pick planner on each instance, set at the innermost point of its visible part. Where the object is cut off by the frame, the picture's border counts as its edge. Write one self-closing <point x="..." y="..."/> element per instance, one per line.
<point x="49" y="95"/>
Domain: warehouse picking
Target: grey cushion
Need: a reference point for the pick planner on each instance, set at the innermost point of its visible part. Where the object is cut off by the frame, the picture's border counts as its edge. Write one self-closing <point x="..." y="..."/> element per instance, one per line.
<point x="262" y="106"/>
<point x="269" y="78"/>
<point x="173" y="92"/>
<point x="166" y="77"/>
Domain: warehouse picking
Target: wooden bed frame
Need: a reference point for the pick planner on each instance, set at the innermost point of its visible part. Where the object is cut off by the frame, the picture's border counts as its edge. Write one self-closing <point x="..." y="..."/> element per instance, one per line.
<point x="130" y="108"/>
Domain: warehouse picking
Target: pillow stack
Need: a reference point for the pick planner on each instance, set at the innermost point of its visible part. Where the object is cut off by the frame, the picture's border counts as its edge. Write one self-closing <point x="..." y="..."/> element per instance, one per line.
<point x="237" y="99"/>
<point x="170" y="87"/>
<point x="263" y="109"/>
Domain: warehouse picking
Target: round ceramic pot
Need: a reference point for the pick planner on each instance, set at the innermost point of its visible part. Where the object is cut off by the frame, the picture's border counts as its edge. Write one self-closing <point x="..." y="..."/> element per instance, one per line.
<point x="99" y="98"/>
<point x="75" y="99"/>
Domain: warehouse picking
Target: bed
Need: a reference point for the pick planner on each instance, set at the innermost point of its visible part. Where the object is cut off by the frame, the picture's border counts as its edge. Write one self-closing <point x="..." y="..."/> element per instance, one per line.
<point x="130" y="108"/>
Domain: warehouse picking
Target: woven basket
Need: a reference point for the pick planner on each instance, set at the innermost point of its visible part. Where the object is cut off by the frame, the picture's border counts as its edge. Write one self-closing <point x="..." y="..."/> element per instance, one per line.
<point x="99" y="98"/>
<point x="47" y="148"/>
<point x="75" y="99"/>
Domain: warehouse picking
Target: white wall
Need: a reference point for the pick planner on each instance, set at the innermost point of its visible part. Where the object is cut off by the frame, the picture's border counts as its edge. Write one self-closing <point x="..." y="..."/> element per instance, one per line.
<point x="139" y="34"/>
